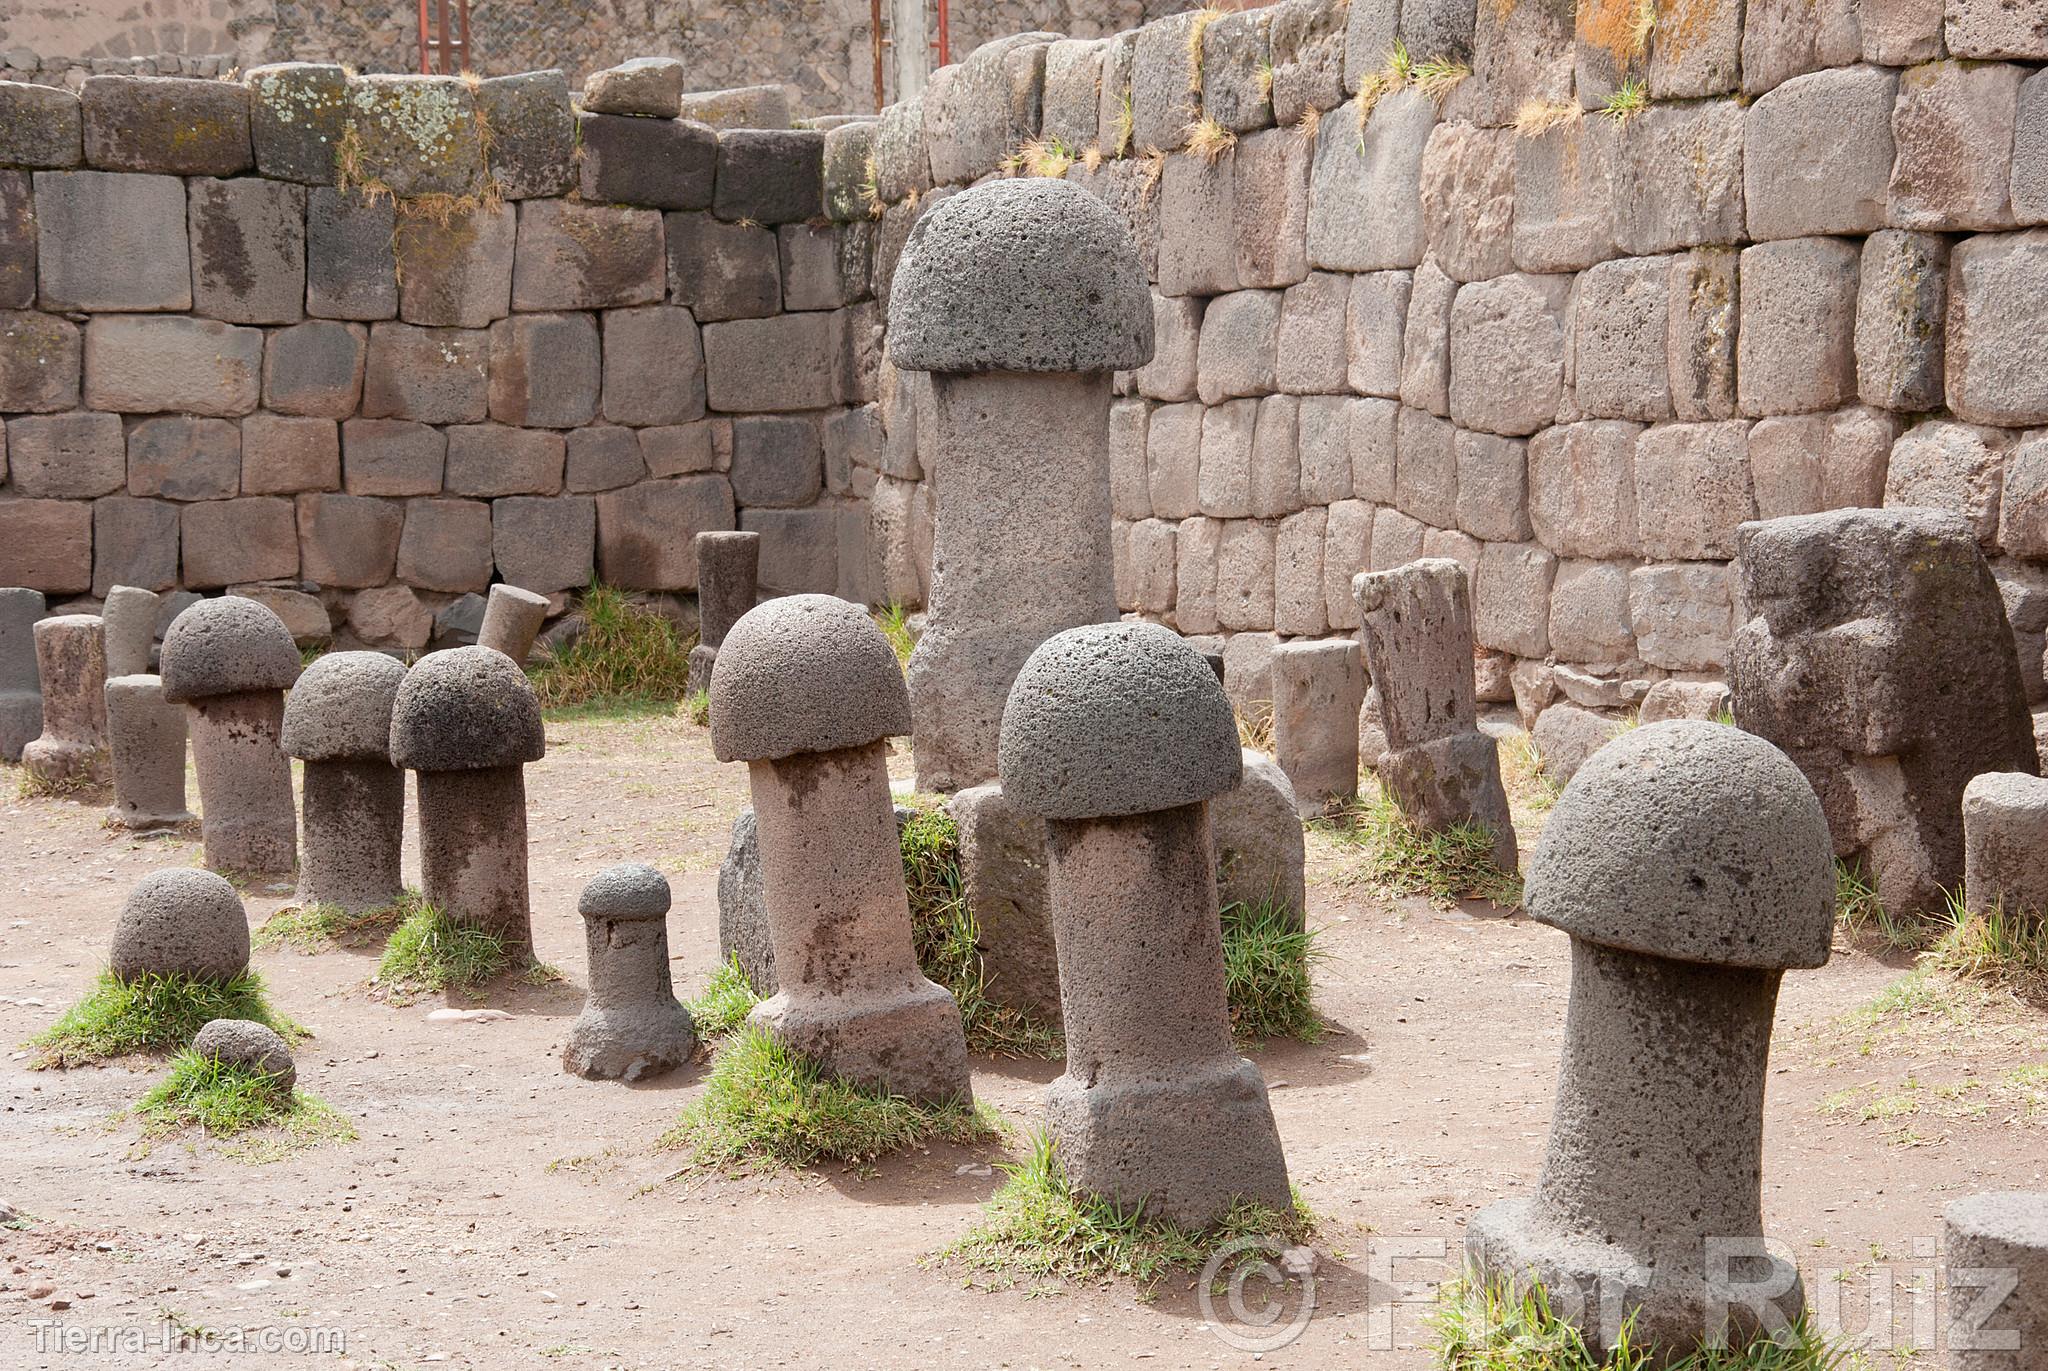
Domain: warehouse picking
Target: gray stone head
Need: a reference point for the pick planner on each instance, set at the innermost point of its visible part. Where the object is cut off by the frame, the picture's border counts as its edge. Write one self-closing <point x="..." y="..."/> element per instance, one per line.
<point x="1690" y="841"/>
<point x="804" y="673"/>
<point x="630" y="890"/>
<point x="466" y="709"/>
<point x="184" y="922"/>
<point x="227" y="646"/>
<point x="1116" y="719"/>
<point x="341" y="708"/>
<point x="1020" y="275"/>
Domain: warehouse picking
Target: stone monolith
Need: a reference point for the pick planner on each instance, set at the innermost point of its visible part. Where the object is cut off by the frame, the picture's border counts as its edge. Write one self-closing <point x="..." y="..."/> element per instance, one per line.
<point x="631" y="1026"/>
<point x="146" y="741"/>
<point x="512" y="620"/>
<point x="338" y="722"/>
<point x="1995" y="1248"/>
<point x="2005" y="844"/>
<point x="1318" y="690"/>
<point x="21" y="692"/>
<point x="71" y="659"/>
<point x="728" y="582"/>
<point x="130" y="615"/>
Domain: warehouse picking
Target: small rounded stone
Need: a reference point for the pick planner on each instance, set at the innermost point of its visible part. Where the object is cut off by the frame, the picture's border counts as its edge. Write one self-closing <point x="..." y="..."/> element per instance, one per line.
<point x="227" y="646"/>
<point x="1020" y="275"/>
<point x="1691" y="841"/>
<point x="630" y="890"/>
<point x="1116" y="719"/>
<point x="185" y="922"/>
<point x="341" y="708"/>
<point x="466" y="709"/>
<point x="804" y="673"/>
<point x="246" y="1043"/>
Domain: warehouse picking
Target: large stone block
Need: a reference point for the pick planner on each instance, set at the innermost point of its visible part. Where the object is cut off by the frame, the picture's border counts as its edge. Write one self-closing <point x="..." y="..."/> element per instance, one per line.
<point x="315" y="368"/>
<point x="545" y="545"/>
<point x="1901" y="320"/>
<point x="545" y="370"/>
<point x="1589" y="613"/>
<point x="392" y="457"/>
<point x="799" y="549"/>
<point x="1682" y="615"/>
<point x="1426" y="340"/>
<point x="1307" y="39"/>
<point x="1197" y="225"/>
<point x="1522" y="55"/>
<point x="283" y="455"/>
<point x="1236" y="77"/>
<point x="665" y="163"/>
<point x="2023" y="501"/>
<point x="648" y="86"/>
<point x="487" y="460"/>
<point x="351" y="269"/>
<point x="1396" y="539"/>
<point x="46" y="545"/>
<point x="1298" y="589"/>
<point x="67" y="456"/>
<point x="1507" y="353"/>
<point x="979" y="110"/>
<point x="1696" y="50"/>
<point x="777" y="461"/>
<point x="644" y="531"/>
<point x="133" y="543"/>
<point x="1817" y="154"/>
<point x="1276" y="459"/>
<point x="431" y="375"/>
<point x="1172" y="373"/>
<point x="1196" y="543"/>
<point x="415" y="135"/>
<point x="1270" y="207"/>
<point x="815" y="261"/>
<point x="1426" y="468"/>
<point x="1376" y="319"/>
<point x="1952" y="124"/>
<point x="850" y="191"/>
<point x="39" y="126"/>
<point x="456" y="273"/>
<point x="1365" y="193"/>
<point x="1244" y="575"/>
<point x="1582" y="489"/>
<point x="1115" y="116"/>
<point x="1228" y="431"/>
<point x="298" y="115"/>
<point x="248" y="250"/>
<point x="1347" y="550"/>
<point x="1677" y="177"/>
<point x="1621" y="323"/>
<point x="1493" y="487"/>
<point x="1899" y="33"/>
<point x="578" y="256"/>
<point x="1324" y="447"/>
<point x="17" y="240"/>
<point x="1130" y="188"/>
<point x="771" y="176"/>
<point x="166" y="124"/>
<point x="108" y="241"/>
<point x="229" y="542"/>
<point x="347" y="542"/>
<point x="723" y="271"/>
<point x="1374" y="437"/>
<point x="178" y="457"/>
<point x="770" y="365"/>
<point x="1173" y="459"/>
<point x="1945" y="465"/>
<point x="603" y="457"/>
<point x="40" y="360"/>
<point x="1166" y="82"/>
<point x="1003" y="874"/>
<point x="1240" y="345"/>
<point x="532" y="151"/>
<point x="1129" y="494"/>
<point x="1312" y="355"/>
<point x="653" y="366"/>
<point x="1468" y="200"/>
<point x="1796" y="348"/>
<point x="446" y="545"/>
<point x="1511" y="598"/>
<point x="1564" y="196"/>
<point x="1702" y="317"/>
<point x="1998" y="329"/>
<point x="1806" y="463"/>
<point x="1996" y="28"/>
<point x="1072" y="111"/>
<point x="1782" y="39"/>
<point x="902" y="163"/>
<point x="1693" y="489"/>
<point x="143" y="364"/>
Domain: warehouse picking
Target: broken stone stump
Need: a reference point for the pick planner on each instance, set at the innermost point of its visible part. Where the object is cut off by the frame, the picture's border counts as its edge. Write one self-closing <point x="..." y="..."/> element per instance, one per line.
<point x="21" y="692"/>
<point x="1021" y="297"/>
<point x="743" y="908"/>
<point x="146" y="743"/>
<point x="632" y="1025"/>
<point x="1995" y="1248"/>
<point x="807" y="693"/>
<point x="512" y="620"/>
<point x="1689" y="862"/>
<point x="1878" y="656"/>
<point x="728" y="583"/>
<point x="466" y="722"/>
<point x="1318" y="691"/>
<point x="1261" y="851"/>
<point x="129" y="616"/>
<point x="2005" y="844"/>
<point x="71" y="659"/>
<point x="1002" y="873"/>
<point x="1416" y="629"/>
<point x="1118" y="736"/>
<point x="231" y="660"/>
<point x="182" y="922"/>
<point x="338" y="722"/>
<point x="251" y="1046"/>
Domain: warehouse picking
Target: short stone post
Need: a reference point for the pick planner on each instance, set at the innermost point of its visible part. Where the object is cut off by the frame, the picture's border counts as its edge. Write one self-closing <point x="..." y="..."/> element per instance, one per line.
<point x="1417" y="634"/>
<point x="1118" y="735"/>
<point x="1689" y="862"/>
<point x="181" y="922"/>
<point x="231" y="660"/>
<point x="1318" y="690"/>
<point x="466" y="721"/>
<point x="146" y="737"/>
<point x="807" y="692"/>
<point x="631" y="1026"/>
<point x="21" y="691"/>
<point x="338" y="722"/>
<point x="71" y="659"/>
<point x="1995" y="1248"/>
<point x="2005" y="844"/>
<point x="1021" y="297"/>
<point x="512" y="620"/>
<point x="130" y="618"/>
<point x="728" y="583"/>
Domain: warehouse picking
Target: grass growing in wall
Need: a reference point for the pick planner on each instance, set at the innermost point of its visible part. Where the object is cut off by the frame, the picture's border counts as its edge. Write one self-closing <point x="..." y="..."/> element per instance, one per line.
<point x="1046" y="158"/>
<point x="1126" y="126"/>
<point x="1209" y="140"/>
<point x="1266" y="966"/>
<point x="318" y="927"/>
<point x="150" y="1014"/>
<point x="1402" y="859"/>
<point x="1198" y="29"/>
<point x="1036" y="1227"/>
<point x="764" y="1106"/>
<point x="429" y="953"/>
<point x="727" y="1000"/>
<point x="1628" y="100"/>
<point x="627" y="656"/>
<point x="1435" y="77"/>
<point x="894" y="622"/>
<point x="1538" y="117"/>
<point x="269" y="1120"/>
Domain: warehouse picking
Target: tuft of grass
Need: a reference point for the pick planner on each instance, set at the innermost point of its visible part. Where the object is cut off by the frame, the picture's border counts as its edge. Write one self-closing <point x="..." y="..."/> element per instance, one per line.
<point x="948" y="941"/>
<point x="152" y="1014"/>
<point x="1198" y="28"/>
<point x="1266" y="965"/>
<point x="1523" y="773"/>
<point x="1482" y="1325"/>
<point x="1402" y="859"/>
<point x="1092" y="157"/>
<point x="1438" y="77"/>
<point x="1255" y="727"/>
<point x="1047" y="158"/>
<point x="1263" y="75"/>
<point x="697" y="705"/>
<point x="1627" y="100"/>
<point x="727" y="1000"/>
<point x="1309" y="127"/>
<point x="1209" y="140"/>
<point x="225" y="1100"/>
<point x="1036" y="1226"/>
<point x="2009" y="951"/>
<point x="628" y="654"/>
<point x="765" y="1106"/>
<point x="1538" y="117"/>
<point x="318" y="927"/>
<point x="1860" y="910"/>
<point x="84" y="784"/>
<point x="894" y="622"/>
<point x="1126" y="125"/>
<point x="429" y="952"/>
<point x="871" y="187"/>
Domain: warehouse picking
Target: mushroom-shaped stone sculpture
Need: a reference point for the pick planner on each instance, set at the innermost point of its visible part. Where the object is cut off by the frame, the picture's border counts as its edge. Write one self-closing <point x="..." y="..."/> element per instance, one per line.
<point x="1119" y="735"/>
<point x="71" y="658"/>
<point x="512" y="620"/>
<point x="231" y="660"/>
<point x="146" y="736"/>
<point x="631" y="1026"/>
<point x="467" y="722"/>
<point x="21" y="692"/>
<point x="807" y="692"/>
<point x="183" y="922"/>
<point x="338" y="722"/>
<point x="728" y="583"/>
<point x="1691" y="865"/>
<point x="1995" y="1247"/>
<point x="1021" y="297"/>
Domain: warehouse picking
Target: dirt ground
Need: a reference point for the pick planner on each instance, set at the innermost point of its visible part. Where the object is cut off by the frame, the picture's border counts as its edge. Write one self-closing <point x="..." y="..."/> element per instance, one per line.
<point x="496" y="1212"/>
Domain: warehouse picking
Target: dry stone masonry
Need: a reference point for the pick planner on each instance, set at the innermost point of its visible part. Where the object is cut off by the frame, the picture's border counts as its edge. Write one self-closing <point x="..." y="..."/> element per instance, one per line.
<point x="21" y="692"/>
<point x="1318" y="691"/>
<point x="631" y="1026"/>
<point x="146" y="737"/>
<point x="337" y="721"/>
<point x="71" y="659"/>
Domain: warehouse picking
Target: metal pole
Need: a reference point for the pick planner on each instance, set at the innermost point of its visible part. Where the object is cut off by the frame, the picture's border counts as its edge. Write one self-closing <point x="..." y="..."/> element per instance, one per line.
<point x="913" y="48"/>
<point x="463" y="12"/>
<point x="875" y="41"/>
<point x="442" y="5"/>
<point x="945" y="33"/>
<point x="425" y="68"/>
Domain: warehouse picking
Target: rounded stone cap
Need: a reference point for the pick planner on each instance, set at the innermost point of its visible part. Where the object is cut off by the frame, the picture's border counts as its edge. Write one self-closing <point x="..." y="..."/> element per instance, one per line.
<point x="630" y="890"/>
<point x="246" y="1043"/>
<point x="2007" y="1218"/>
<point x="804" y="673"/>
<point x="226" y="646"/>
<point x="1692" y="841"/>
<point x="183" y="922"/>
<point x="466" y="709"/>
<point x="341" y="708"/>
<point x="1116" y="719"/>
<point x="1020" y="275"/>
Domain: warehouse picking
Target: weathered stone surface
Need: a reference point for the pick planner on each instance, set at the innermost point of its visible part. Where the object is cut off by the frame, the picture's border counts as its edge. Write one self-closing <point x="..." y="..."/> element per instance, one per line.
<point x="493" y="459"/>
<point x="1582" y="500"/>
<point x="1492" y="487"/>
<point x="632" y="1027"/>
<point x="392" y="457"/>
<point x="315" y="369"/>
<point x="1564" y="197"/>
<point x="1681" y="615"/>
<point x="771" y="176"/>
<point x="179" y="458"/>
<point x="1589" y="613"/>
<point x="446" y="545"/>
<point x="1311" y="358"/>
<point x="351" y="271"/>
<point x="17" y="240"/>
<point x="1818" y="154"/>
<point x="40" y="359"/>
<point x="1318" y="689"/>
<point x="228" y="542"/>
<point x="1228" y="433"/>
<point x="39" y="126"/>
<point x="391" y="616"/>
<point x="166" y="124"/>
<point x="67" y="456"/>
<point x="1901" y="315"/>
<point x="142" y="364"/>
<point x="1996" y="341"/>
<point x="1806" y="463"/>
<point x="651" y="86"/>
<point x="1269" y="207"/>
<point x="128" y="542"/>
<point x="188" y="923"/>
<point x="1693" y="489"/>
<point x="653" y="366"/>
<point x="1307" y="40"/>
<point x="776" y="461"/>
<point x="851" y="194"/>
<point x="352" y="542"/>
<point x="1236" y="77"/>
<point x="1507" y="353"/>
<point x="2029" y="186"/>
<point x="1621" y="320"/>
<point x="1298" y="574"/>
<point x="721" y="270"/>
<point x="2005" y="824"/>
<point x="1948" y="114"/>
<point x="109" y="241"/>
<point x="458" y="273"/>
<point x="824" y="266"/>
<point x="1986" y="28"/>
<point x="1365" y="195"/>
<point x="1511" y="598"/>
<point x="1468" y="200"/>
<point x="902" y="161"/>
<point x="248" y="250"/>
<point x="1197" y="235"/>
<point x="666" y="163"/>
<point x="47" y="545"/>
<point x="1426" y="468"/>
<point x="1375" y="322"/>
<point x="603" y="457"/>
<point x="544" y="544"/>
<point x="1795" y="351"/>
<point x="580" y="256"/>
<point x="1244" y="575"/>
<point x="298" y="114"/>
<point x="799" y="549"/>
<point x="544" y="370"/>
<point x="1782" y="39"/>
<point x="1703" y="315"/>
<point x="1239" y="353"/>
<point x="1426" y="341"/>
<point x="1324" y="449"/>
<point x="533" y="133"/>
<point x="1677" y="177"/>
<point x="1173" y="450"/>
<point x="644" y="531"/>
<point x="1166" y="83"/>
<point x="770" y="365"/>
<point x="71" y="665"/>
<point x="978" y="111"/>
<point x="1949" y="466"/>
<point x="416" y="135"/>
<point x="430" y="375"/>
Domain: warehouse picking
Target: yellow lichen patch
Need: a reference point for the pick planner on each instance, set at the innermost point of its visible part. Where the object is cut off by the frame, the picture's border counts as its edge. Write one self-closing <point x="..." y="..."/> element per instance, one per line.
<point x="1621" y="28"/>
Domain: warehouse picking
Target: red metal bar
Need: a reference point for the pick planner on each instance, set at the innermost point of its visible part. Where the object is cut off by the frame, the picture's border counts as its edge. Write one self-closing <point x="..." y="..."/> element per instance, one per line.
<point x="463" y="53"/>
<point x="945" y="33"/>
<point x="442" y="6"/>
<point x="425" y="59"/>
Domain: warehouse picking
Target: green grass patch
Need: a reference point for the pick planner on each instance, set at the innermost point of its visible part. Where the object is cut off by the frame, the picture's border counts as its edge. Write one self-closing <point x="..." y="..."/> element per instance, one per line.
<point x="1035" y="1226"/>
<point x="1522" y="770"/>
<point x="765" y="1106"/>
<point x="727" y="1000"/>
<point x="1266" y="963"/>
<point x="1484" y="1326"/>
<point x="1402" y="859"/>
<point x="152" y="1014"/>
<point x="77" y="785"/>
<point x="269" y="1122"/>
<point x="697" y="704"/>
<point x="629" y="656"/>
<point x="1860" y="910"/>
<point x="429" y="953"/>
<point x="318" y="927"/>
<point x="1995" y="948"/>
<point x="895" y="625"/>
